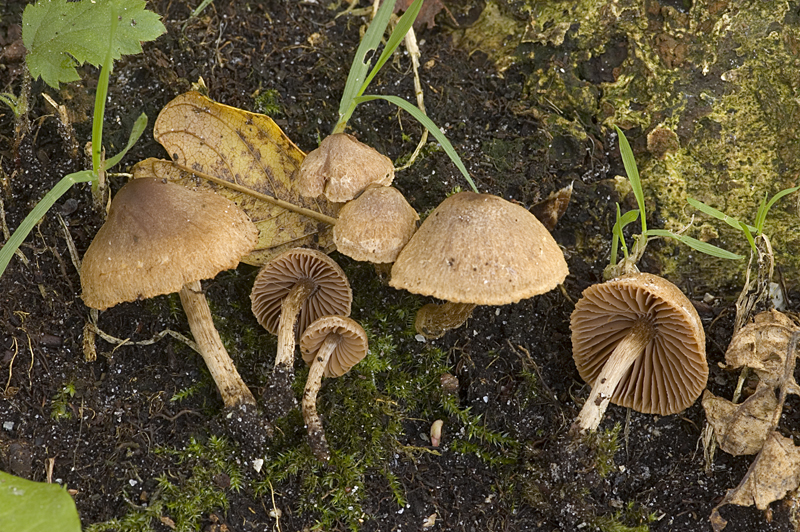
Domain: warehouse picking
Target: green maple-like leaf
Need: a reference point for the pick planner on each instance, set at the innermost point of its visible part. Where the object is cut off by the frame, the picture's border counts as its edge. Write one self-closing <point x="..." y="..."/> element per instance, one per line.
<point x="60" y="35"/>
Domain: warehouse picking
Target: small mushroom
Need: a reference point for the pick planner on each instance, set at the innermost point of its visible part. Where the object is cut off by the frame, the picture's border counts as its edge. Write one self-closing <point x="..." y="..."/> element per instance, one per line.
<point x="162" y="238"/>
<point x="375" y="226"/>
<point x="476" y="249"/>
<point x="331" y="346"/>
<point x="341" y="167"/>
<point x="298" y="286"/>
<point x="640" y="343"/>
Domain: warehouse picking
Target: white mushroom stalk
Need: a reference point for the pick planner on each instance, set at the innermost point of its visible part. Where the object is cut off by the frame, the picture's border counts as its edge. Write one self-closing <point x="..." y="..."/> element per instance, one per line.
<point x="231" y="387"/>
<point x="316" y="434"/>
<point x="290" y="310"/>
<point x="619" y="362"/>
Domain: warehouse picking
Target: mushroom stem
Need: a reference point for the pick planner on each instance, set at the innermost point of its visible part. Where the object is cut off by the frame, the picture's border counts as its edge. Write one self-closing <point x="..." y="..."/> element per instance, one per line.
<point x="316" y="434"/>
<point x="230" y="384"/>
<point x="433" y="320"/>
<point x="618" y="363"/>
<point x="278" y="397"/>
<point x="290" y="310"/>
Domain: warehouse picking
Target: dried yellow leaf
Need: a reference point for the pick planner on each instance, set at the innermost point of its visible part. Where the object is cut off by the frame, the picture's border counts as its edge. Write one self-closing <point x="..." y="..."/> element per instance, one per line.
<point x="248" y="159"/>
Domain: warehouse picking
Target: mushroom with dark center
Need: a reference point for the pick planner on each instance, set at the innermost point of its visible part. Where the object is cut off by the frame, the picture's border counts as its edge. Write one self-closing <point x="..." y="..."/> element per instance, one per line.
<point x="341" y="167"/>
<point x="296" y="287"/>
<point x="162" y="238"/>
<point x="640" y="343"/>
<point x="476" y="249"/>
<point x="331" y="345"/>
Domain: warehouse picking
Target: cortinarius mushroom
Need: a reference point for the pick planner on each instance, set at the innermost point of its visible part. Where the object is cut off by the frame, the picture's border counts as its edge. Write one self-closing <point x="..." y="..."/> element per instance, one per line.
<point x="299" y="285"/>
<point x="161" y="238"/>
<point x="476" y="249"/>
<point x="375" y="226"/>
<point x="640" y="343"/>
<point x="341" y="167"/>
<point x="331" y="346"/>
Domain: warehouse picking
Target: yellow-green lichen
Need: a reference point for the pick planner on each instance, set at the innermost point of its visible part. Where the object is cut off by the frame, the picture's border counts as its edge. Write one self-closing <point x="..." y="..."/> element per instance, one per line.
<point x="721" y="79"/>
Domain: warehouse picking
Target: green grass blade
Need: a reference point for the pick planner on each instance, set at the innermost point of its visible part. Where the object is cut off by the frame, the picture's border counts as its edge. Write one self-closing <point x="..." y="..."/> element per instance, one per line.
<point x="429" y="125"/>
<point x="38" y="212"/>
<point x="749" y="236"/>
<point x="633" y="174"/>
<point x="136" y="132"/>
<point x="360" y="67"/>
<point x="702" y="247"/>
<point x="616" y="236"/>
<point x="398" y="34"/>
<point x="761" y="217"/>
<point x="719" y="215"/>
<point x="101" y="95"/>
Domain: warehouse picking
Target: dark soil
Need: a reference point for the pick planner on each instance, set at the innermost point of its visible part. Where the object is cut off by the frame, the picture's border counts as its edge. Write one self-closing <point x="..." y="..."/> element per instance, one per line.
<point x="114" y="429"/>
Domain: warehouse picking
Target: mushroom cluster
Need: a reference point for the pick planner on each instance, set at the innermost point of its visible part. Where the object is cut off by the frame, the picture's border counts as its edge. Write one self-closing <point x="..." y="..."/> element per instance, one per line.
<point x="376" y="221"/>
<point x="296" y="287"/>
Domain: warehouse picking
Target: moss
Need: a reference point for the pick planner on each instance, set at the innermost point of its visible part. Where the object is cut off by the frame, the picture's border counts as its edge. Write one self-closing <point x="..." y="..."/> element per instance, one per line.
<point x="266" y="103"/>
<point x="185" y="501"/>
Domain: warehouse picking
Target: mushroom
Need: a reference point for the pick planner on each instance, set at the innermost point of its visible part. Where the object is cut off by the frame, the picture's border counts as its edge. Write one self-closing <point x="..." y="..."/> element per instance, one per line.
<point x="375" y="226"/>
<point x="161" y="238"/>
<point x="640" y="343"/>
<point x="476" y="249"/>
<point x="341" y="167"/>
<point x="331" y="346"/>
<point x="299" y="285"/>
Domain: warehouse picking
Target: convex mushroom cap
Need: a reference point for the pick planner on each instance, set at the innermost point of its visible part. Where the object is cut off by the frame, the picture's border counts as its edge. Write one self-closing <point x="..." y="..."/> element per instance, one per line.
<point x="159" y="236"/>
<point x="341" y="167"/>
<point x="476" y="249"/>
<point x="639" y="342"/>
<point x="375" y="226"/>
<point x="331" y="346"/>
<point x="480" y="249"/>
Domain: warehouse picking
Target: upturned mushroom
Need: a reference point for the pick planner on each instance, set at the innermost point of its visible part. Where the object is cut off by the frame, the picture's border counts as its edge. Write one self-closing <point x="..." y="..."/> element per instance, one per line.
<point x="375" y="226"/>
<point x="476" y="249"/>
<point x="331" y="345"/>
<point x="341" y="167"/>
<point x="161" y="238"/>
<point x="638" y="341"/>
<point x="296" y="287"/>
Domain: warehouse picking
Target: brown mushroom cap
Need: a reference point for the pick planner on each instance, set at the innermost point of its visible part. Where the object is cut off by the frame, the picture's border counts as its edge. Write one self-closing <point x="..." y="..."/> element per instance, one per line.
<point x="160" y="236"/>
<point x="672" y="371"/>
<point x="351" y="350"/>
<point x="332" y="295"/>
<point x="376" y="225"/>
<point x="481" y="249"/>
<point x="341" y="167"/>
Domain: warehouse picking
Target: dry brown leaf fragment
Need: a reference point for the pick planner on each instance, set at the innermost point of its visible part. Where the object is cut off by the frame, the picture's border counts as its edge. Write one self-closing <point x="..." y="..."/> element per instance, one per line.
<point x="208" y="139"/>
<point x="741" y="428"/>
<point x="761" y="345"/>
<point x="774" y="472"/>
<point x="428" y="11"/>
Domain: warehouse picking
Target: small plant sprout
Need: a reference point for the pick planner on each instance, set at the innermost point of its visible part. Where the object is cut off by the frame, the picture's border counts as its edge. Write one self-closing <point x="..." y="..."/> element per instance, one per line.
<point x="630" y="258"/>
<point x="360" y="76"/>
<point x="757" y="290"/>
<point x="58" y="35"/>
